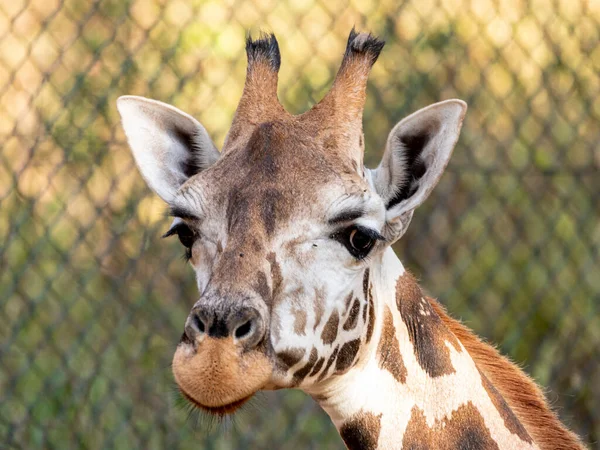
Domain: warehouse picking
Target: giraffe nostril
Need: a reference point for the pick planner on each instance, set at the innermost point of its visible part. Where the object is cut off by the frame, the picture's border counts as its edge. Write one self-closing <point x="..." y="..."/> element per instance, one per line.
<point x="246" y="327"/>
<point x="243" y="330"/>
<point x="195" y="326"/>
<point x="244" y="324"/>
<point x="199" y="324"/>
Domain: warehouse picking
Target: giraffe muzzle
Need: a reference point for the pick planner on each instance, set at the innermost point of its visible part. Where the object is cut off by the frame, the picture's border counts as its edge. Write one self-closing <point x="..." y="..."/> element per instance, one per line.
<point x="221" y="360"/>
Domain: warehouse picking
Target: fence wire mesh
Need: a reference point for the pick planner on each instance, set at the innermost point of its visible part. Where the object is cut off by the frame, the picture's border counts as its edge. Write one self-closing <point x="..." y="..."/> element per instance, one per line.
<point x="92" y="302"/>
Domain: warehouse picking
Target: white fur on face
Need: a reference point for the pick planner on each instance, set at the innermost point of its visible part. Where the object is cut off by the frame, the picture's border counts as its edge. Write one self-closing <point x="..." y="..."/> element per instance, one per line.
<point x="320" y="291"/>
<point x="319" y="278"/>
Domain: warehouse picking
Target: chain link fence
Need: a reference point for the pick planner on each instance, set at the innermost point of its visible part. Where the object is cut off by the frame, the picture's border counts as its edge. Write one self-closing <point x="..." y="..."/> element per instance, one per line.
<point x="92" y="302"/>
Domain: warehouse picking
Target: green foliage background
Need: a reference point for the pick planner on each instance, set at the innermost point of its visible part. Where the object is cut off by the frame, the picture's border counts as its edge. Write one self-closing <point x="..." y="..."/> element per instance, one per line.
<point x="92" y="302"/>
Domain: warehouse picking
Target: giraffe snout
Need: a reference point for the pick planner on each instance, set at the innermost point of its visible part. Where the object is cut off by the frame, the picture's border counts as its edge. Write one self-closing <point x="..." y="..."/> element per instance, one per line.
<point x="244" y="324"/>
<point x="221" y="360"/>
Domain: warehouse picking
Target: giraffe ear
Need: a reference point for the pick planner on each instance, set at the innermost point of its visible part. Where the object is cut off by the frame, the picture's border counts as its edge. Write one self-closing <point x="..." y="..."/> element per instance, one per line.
<point x="417" y="152"/>
<point x="169" y="146"/>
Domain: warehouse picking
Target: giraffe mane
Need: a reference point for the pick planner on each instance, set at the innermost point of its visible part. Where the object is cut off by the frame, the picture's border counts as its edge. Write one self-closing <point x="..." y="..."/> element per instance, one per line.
<point x="521" y="393"/>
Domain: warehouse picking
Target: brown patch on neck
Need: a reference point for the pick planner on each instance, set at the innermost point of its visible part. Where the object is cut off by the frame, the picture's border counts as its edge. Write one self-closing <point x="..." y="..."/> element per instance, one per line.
<point x="388" y="350"/>
<point x="465" y="429"/>
<point x="511" y="422"/>
<point x="522" y="395"/>
<point x="426" y="331"/>
<point x="361" y="432"/>
<point x="346" y="355"/>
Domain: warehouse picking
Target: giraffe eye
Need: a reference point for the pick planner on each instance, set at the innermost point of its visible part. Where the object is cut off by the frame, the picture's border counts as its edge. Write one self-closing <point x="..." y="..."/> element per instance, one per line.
<point x="186" y="235"/>
<point x="358" y="240"/>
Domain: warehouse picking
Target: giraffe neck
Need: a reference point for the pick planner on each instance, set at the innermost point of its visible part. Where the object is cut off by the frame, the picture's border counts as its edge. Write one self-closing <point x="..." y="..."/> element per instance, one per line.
<point x="415" y="385"/>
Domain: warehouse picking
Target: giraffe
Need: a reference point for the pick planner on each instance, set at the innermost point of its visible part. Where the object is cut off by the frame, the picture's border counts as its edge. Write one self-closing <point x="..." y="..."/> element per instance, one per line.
<point x="290" y="239"/>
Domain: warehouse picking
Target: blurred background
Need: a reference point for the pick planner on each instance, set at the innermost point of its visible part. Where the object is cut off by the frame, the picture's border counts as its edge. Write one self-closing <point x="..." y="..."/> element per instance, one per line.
<point x="92" y="301"/>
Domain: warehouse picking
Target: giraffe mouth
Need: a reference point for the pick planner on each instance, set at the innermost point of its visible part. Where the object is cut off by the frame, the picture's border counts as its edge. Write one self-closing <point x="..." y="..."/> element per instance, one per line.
<point x="220" y="411"/>
<point x="218" y="378"/>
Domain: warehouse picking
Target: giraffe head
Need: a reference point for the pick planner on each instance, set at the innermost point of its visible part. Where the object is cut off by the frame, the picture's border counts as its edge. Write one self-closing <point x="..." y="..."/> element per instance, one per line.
<point x="282" y="225"/>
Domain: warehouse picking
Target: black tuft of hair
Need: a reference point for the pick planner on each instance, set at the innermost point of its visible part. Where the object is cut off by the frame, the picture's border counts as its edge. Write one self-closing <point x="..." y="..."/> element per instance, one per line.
<point x="364" y="44"/>
<point x="265" y="48"/>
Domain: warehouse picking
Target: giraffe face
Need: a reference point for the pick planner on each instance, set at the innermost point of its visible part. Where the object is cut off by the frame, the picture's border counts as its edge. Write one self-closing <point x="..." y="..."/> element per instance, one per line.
<point x="287" y="229"/>
<point x="282" y="225"/>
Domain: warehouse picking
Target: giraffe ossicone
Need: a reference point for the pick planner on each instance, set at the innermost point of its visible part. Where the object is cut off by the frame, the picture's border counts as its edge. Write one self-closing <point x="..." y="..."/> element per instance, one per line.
<point x="289" y="236"/>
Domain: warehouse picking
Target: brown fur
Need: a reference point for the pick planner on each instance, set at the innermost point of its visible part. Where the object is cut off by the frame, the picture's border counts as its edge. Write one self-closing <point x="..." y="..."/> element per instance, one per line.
<point x="522" y="395"/>
<point x="464" y="429"/>
<point x="319" y="306"/>
<point x="317" y="367"/>
<point x="259" y="102"/>
<point x="352" y="319"/>
<point x="511" y="422"/>
<point x="268" y="157"/>
<point x="338" y="116"/>
<point x="346" y="356"/>
<point x="291" y="357"/>
<point x="299" y="321"/>
<point x="361" y="432"/>
<point x="330" y="329"/>
<point x="371" y="323"/>
<point x="277" y="158"/>
<point x="231" y="375"/>
<point x="304" y="371"/>
<point x="329" y="363"/>
<point x="276" y="278"/>
<point x="426" y="331"/>
<point x="388" y="350"/>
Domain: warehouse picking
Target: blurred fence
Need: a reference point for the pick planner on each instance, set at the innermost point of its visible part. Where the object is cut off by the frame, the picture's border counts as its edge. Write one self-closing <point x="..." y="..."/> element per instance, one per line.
<point x="92" y="302"/>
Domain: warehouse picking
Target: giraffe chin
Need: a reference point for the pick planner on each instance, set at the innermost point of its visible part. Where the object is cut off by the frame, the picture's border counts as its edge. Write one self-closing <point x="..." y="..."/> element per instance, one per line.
<point x="218" y="377"/>
<point x="216" y="410"/>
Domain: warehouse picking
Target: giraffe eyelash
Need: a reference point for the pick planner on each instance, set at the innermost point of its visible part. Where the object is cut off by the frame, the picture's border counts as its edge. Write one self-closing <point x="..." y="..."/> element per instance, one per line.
<point x="187" y="236"/>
